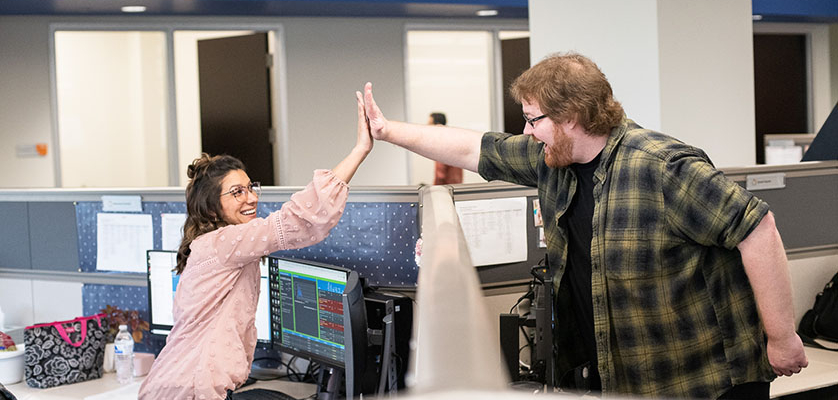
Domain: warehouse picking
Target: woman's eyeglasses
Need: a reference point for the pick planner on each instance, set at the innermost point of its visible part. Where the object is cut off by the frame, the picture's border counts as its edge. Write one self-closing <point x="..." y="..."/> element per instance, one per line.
<point x="240" y="192"/>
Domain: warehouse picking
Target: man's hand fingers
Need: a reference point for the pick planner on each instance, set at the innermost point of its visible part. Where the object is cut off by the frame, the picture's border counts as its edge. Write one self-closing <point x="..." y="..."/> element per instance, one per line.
<point x="377" y="122"/>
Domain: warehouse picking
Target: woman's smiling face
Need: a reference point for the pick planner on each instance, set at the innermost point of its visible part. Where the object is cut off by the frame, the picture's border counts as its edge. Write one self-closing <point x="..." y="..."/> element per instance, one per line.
<point x="238" y="202"/>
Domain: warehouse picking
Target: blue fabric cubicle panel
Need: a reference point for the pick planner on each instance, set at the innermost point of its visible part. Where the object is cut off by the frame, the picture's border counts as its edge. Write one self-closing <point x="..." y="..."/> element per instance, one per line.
<point x="86" y="218"/>
<point x="375" y="239"/>
<point x="96" y="297"/>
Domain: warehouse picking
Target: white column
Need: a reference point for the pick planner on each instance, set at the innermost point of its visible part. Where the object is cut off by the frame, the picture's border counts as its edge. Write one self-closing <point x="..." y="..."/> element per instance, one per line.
<point x="679" y="66"/>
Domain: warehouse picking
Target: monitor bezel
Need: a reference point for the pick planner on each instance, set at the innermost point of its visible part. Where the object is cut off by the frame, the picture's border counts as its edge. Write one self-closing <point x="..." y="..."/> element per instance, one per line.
<point x="276" y="341"/>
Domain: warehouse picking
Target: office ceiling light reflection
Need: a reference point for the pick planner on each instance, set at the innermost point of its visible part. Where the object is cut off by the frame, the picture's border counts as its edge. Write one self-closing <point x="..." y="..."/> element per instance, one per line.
<point x="487" y="13"/>
<point x="133" y="9"/>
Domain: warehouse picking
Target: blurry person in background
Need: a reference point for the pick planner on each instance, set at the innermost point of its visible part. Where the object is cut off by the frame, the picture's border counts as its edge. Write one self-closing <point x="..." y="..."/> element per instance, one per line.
<point x="444" y="174"/>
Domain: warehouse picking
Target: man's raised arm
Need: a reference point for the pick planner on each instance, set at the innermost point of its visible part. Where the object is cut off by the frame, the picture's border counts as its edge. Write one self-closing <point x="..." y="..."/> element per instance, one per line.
<point x="453" y="146"/>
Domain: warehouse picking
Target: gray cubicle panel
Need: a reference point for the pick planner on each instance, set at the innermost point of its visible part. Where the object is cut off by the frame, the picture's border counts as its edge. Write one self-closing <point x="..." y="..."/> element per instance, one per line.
<point x="53" y="236"/>
<point x="39" y="235"/>
<point x="14" y="250"/>
<point x="804" y="200"/>
<point x="509" y="274"/>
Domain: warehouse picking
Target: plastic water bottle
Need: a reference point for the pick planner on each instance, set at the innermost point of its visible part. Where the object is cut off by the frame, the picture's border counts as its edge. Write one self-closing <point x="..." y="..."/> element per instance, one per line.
<point x="123" y="352"/>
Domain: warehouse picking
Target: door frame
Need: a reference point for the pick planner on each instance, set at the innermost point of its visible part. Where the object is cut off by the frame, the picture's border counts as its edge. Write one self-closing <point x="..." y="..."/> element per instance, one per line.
<point x="819" y="96"/>
<point x="496" y="89"/>
<point x="278" y="83"/>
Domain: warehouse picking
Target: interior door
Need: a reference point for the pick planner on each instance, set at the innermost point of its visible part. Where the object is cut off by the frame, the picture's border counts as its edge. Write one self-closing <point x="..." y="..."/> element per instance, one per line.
<point x="235" y="97"/>
<point x="515" y="59"/>
<point x="780" y="85"/>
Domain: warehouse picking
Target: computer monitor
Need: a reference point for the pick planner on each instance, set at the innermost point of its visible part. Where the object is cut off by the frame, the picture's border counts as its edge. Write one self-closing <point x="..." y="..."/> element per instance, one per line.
<point x="162" y="283"/>
<point x="318" y="312"/>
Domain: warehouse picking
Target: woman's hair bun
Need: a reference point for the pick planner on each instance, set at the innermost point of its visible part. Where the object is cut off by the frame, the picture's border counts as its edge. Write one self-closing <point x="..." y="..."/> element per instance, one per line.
<point x="198" y="166"/>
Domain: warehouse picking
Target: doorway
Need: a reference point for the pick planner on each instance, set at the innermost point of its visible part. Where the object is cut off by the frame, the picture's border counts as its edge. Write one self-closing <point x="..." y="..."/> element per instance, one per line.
<point x="464" y="74"/>
<point x="234" y="84"/>
<point x="129" y="104"/>
<point x="781" y="98"/>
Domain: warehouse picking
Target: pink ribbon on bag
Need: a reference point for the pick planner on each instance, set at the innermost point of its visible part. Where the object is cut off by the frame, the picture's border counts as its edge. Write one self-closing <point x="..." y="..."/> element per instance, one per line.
<point x="59" y="326"/>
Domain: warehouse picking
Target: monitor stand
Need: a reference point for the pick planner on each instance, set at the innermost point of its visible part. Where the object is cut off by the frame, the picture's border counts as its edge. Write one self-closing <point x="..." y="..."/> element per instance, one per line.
<point x="265" y="369"/>
<point x="329" y="383"/>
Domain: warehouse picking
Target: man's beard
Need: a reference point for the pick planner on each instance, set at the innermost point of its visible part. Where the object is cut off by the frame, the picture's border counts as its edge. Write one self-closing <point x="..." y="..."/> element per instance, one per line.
<point x="560" y="153"/>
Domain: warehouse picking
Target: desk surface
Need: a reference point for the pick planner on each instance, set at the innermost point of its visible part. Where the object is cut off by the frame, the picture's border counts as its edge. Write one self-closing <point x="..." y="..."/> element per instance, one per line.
<point x="820" y="373"/>
<point x="107" y="388"/>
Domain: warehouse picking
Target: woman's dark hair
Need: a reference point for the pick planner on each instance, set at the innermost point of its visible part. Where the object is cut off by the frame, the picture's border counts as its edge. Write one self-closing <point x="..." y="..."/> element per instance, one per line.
<point x="203" y="200"/>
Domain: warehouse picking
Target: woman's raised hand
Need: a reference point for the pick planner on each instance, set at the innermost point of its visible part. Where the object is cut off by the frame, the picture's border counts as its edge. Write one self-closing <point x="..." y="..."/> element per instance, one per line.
<point x="364" y="141"/>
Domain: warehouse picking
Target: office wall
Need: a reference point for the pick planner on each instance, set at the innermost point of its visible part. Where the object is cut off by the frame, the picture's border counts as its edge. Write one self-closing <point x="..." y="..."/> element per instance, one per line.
<point x="707" y="77"/>
<point x="326" y="61"/>
<point x="26" y="301"/>
<point x="111" y="96"/>
<point x="616" y="35"/>
<point x="680" y="66"/>
<point x="24" y="101"/>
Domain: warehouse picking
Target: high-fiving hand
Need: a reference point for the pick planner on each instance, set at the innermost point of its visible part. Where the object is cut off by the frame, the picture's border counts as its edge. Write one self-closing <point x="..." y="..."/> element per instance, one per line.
<point x="377" y="122"/>
<point x="364" y="142"/>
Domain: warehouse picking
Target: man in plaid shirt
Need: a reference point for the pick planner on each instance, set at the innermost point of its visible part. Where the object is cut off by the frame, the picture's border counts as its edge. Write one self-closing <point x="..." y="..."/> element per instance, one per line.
<point x="672" y="281"/>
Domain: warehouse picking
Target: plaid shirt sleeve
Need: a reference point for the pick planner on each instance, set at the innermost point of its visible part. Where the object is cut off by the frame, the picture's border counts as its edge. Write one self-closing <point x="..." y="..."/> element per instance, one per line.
<point x="511" y="158"/>
<point x="704" y="206"/>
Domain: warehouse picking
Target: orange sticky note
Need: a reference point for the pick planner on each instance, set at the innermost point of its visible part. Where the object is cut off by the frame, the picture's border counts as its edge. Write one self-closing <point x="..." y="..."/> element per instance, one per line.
<point x="41" y="148"/>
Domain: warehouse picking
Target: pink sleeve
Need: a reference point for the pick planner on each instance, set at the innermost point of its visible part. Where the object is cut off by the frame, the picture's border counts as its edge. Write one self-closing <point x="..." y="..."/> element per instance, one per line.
<point x="303" y="221"/>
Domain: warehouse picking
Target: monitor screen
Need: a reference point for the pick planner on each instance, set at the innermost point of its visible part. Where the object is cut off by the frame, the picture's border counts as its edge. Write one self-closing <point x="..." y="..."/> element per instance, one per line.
<point x="318" y="312"/>
<point x="162" y="283"/>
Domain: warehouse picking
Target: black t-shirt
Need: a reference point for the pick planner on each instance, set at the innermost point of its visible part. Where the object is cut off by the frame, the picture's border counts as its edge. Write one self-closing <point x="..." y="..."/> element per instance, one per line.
<point x="578" y="219"/>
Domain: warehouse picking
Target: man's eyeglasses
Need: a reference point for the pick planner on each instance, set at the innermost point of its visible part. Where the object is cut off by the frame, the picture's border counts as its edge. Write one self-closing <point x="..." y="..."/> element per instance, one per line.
<point x="533" y="120"/>
<point x="240" y="192"/>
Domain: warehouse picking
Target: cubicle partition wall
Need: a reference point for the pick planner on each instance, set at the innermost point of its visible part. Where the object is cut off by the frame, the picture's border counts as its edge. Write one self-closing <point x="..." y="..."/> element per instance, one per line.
<point x="802" y="196"/>
<point x="53" y="235"/>
<point x="506" y="275"/>
<point x="804" y="200"/>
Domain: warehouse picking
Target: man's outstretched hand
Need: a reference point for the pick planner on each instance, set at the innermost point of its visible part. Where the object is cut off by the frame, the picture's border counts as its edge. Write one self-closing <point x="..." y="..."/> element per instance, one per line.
<point x="377" y="122"/>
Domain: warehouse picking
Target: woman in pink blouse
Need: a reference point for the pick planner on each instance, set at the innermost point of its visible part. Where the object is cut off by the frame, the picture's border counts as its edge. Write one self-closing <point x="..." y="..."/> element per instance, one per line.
<point x="210" y="347"/>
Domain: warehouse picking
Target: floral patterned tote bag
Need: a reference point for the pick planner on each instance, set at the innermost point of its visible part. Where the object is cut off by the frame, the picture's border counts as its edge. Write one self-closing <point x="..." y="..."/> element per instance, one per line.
<point x="64" y="352"/>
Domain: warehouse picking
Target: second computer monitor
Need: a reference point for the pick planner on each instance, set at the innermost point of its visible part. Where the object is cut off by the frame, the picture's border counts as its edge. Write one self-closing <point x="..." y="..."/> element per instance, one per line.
<point x="163" y="281"/>
<point x="318" y="312"/>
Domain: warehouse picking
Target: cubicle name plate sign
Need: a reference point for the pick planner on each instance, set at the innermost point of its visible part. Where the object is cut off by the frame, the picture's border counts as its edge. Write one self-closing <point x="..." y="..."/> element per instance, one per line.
<point x="765" y="181"/>
<point x="122" y="204"/>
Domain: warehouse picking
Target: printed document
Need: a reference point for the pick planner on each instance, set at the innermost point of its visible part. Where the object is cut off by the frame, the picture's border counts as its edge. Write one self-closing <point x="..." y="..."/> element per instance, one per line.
<point x="495" y="229"/>
<point x="172" y="225"/>
<point x="122" y="241"/>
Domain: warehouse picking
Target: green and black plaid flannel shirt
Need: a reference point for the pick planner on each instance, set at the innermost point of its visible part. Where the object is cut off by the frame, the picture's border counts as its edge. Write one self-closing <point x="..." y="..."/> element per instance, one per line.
<point x="674" y="314"/>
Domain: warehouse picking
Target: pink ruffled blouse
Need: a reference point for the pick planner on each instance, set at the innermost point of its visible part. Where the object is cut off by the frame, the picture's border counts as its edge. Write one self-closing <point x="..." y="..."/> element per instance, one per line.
<point x="210" y="347"/>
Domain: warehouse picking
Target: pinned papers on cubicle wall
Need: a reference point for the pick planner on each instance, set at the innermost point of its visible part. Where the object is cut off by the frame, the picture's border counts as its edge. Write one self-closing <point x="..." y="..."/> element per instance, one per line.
<point x="172" y="229"/>
<point x="495" y="229"/>
<point x="122" y="241"/>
